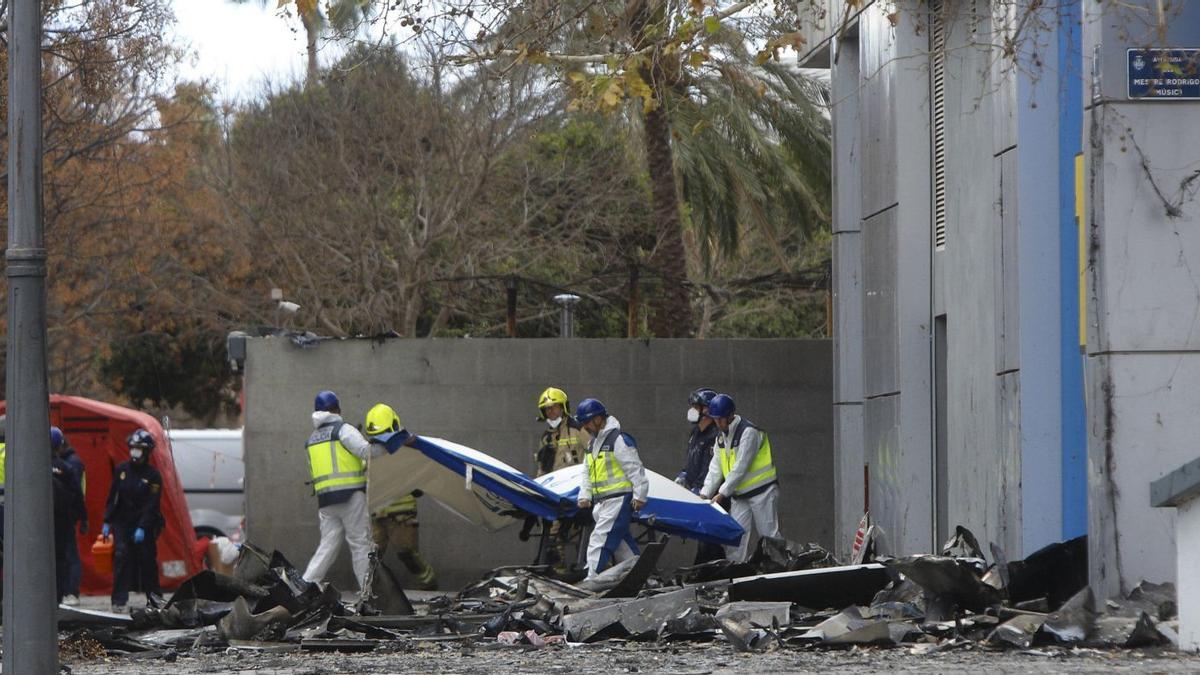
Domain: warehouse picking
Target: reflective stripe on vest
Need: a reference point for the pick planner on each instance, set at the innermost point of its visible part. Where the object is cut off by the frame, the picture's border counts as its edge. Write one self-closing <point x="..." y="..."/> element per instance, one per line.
<point x="604" y="471"/>
<point x="331" y="466"/>
<point x="761" y="471"/>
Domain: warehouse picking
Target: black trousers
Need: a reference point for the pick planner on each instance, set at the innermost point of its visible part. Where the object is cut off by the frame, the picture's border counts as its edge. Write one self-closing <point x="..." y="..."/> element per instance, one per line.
<point x="135" y="566"/>
<point x="63" y="541"/>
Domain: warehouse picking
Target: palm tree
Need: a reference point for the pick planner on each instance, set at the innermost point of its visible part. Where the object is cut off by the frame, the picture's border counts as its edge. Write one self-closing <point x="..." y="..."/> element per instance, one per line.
<point x="739" y="139"/>
<point x="751" y="146"/>
<point x="339" y="15"/>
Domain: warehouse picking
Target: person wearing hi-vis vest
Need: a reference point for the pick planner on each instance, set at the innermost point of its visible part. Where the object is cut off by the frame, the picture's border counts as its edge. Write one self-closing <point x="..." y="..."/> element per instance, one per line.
<point x="614" y="486"/>
<point x="395" y="527"/>
<point x="337" y="465"/>
<point x="741" y="476"/>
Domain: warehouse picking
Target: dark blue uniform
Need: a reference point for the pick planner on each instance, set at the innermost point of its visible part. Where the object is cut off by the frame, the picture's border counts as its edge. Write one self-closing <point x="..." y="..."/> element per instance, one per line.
<point x="699" y="455"/>
<point x="74" y="566"/>
<point x="133" y="502"/>
<point x="68" y="504"/>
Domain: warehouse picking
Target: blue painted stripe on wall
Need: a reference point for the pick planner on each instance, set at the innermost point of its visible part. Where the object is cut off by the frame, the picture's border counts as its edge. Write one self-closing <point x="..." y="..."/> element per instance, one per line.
<point x="1070" y="143"/>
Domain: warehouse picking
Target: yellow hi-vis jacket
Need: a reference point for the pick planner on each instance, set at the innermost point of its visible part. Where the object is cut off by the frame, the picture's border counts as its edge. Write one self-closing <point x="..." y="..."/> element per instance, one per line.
<point x="3" y="457"/>
<point x="402" y="506"/>
<point x="762" y="470"/>
<point x="604" y="470"/>
<point x="332" y="467"/>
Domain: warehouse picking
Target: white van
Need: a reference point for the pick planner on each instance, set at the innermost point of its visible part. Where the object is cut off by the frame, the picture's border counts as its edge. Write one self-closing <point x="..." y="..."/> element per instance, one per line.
<point x="210" y="467"/>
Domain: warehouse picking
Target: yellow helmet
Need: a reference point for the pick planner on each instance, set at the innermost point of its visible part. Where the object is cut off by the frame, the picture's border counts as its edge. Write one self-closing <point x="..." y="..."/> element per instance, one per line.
<point x="382" y="419"/>
<point x="549" y="398"/>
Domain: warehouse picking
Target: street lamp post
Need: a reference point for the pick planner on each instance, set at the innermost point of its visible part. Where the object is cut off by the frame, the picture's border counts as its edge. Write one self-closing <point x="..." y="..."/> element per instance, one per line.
<point x="30" y="630"/>
<point x="566" y="324"/>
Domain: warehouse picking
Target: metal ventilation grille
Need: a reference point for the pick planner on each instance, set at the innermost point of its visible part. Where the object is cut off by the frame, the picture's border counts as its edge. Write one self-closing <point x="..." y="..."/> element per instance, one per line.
<point x="937" y="89"/>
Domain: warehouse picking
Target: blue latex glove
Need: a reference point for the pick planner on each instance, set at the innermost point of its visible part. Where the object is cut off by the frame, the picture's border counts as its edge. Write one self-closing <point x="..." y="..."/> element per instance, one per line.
<point x="139" y="535"/>
<point x="105" y="530"/>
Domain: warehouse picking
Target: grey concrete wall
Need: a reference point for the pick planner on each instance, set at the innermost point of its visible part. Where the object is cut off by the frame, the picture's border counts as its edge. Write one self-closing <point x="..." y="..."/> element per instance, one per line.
<point x="893" y="113"/>
<point x="1143" y="294"/>
<point x="847" y="298"/>
<point x="966" y="287"/>
<point x="482" y="393"/>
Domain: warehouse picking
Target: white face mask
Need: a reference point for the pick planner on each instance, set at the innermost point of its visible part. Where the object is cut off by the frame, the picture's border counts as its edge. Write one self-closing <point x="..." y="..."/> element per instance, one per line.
<point x="554" y="422"/>
<point x="135" y="453"/>
<point x="693" y="415"/>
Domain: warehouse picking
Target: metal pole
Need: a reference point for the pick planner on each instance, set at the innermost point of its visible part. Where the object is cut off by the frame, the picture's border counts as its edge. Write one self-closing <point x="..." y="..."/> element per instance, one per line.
<point x="30" y="631"/>
<point x="632" y="318"/>
<point x="510" y="313"/>
<point x="566" y="321"/>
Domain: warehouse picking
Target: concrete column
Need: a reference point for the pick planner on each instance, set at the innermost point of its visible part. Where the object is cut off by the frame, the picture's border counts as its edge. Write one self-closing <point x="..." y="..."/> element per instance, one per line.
<point x="847" y="298"/>
<point x="1143" y="293"/>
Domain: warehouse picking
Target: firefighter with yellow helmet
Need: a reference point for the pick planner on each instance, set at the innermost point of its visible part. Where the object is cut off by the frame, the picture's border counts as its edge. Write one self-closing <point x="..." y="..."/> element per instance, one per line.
<point x="563" y="441"/>
<point x="395" y="527"/>
<point x="562" y="445"/>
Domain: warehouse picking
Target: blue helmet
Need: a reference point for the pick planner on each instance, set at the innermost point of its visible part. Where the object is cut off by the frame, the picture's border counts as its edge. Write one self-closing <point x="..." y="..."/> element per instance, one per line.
<point x="702" y="396"/>
<point x="589" y="408"/>
<point x="141" y="438"/>
<point x="326" y="401"/>
<point x="721" y="406"/>
<point x="57" y="439"/>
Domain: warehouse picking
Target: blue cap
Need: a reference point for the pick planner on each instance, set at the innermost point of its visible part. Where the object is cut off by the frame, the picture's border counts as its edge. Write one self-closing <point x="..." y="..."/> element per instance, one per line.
<point x="57" y="439"/>
<point x="326" y="401"/>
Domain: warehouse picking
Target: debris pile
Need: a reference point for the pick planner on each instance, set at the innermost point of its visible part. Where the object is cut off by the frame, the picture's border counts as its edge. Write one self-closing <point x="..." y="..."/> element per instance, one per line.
<point x="786" y="597"/>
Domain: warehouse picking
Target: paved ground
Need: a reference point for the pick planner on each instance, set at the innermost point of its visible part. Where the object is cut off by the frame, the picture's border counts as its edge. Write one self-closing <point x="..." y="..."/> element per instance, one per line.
<point x="633" y="658"/>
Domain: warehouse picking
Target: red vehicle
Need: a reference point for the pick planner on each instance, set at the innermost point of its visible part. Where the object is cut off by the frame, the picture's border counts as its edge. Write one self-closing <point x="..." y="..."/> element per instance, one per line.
<point x="98" y="431"/>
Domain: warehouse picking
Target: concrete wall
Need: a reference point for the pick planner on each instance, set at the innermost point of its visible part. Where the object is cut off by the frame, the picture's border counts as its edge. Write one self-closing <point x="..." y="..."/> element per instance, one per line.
<point x="1143" y="295"/>
<point x="482" y="393"/>
<point x="850" y="500"/>
<point x="897" y="247"/>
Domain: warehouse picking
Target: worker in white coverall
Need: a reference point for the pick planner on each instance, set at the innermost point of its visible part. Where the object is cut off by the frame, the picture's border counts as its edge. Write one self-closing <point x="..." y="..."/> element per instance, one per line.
<point x="337" y="463"/>
<point x="741" y="475"/>
<point x="614" y="486"/>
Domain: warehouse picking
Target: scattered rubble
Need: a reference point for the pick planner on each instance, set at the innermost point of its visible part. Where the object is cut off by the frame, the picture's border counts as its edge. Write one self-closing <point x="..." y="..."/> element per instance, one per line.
<point x="789" y="597"/>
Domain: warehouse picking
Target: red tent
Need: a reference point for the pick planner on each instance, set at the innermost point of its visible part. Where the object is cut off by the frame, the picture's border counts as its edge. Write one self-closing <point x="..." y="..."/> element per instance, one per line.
<point x="98" y="432"/>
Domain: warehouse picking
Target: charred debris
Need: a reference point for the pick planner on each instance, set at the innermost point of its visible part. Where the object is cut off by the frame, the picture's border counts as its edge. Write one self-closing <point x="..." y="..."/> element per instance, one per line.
<point x="787" y="596"/>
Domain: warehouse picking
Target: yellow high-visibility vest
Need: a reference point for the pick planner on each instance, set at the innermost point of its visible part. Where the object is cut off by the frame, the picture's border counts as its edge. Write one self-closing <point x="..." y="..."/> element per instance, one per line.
<point x="403" y="505"/>
<point x="331" y="466"/>
<point x="762" y="469"/>
<point x="604" y="470"/>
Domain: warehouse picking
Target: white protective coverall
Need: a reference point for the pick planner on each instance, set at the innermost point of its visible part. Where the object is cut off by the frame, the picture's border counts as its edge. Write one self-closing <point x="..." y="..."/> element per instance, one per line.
<point x="347" y="519"/>
<point x="611" y="541"/>
<point x="758" y="505"/>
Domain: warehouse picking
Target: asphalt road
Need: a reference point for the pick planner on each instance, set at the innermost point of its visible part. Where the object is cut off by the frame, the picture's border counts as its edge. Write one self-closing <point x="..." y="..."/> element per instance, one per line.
<point x="485" y="657"/>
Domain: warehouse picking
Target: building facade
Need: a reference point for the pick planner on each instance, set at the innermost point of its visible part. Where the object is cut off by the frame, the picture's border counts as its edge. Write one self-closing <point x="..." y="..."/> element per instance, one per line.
<point x="1014" y="305"/>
